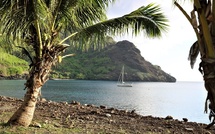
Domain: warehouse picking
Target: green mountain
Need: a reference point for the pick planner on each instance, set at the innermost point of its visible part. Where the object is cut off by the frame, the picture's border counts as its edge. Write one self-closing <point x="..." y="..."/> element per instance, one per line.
<point x="107" y="63"/>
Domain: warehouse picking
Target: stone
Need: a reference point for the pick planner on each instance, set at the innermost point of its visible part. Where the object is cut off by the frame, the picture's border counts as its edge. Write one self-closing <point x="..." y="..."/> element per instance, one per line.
<point x="75" y="103"/>
<point x="36" y="124"/>
<point x="189" y="129"/>
<point x="43" y="100"/>
<point x="46" y="121"/>
<point x="57" y="125"/>
<point x="90" y="105"/>
<point x="112" y="112"/>
<point x="169" y="117"/>
<point x="95" y="112"/>
<point x="185" y="119"/>
<point x="133" y="111"/>
<point x="103" y="107"/>
<point x="64" y="102"/>
<point x="108" y="115"/>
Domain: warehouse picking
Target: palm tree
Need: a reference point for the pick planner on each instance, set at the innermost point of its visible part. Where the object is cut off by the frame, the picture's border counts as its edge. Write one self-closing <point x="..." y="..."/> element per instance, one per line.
<point x="203" y="22"/>
<point x="39" y="26"/>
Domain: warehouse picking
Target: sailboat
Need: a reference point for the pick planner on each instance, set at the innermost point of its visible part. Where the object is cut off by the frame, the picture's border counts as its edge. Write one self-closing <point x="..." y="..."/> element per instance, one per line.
<point x="121" y="82"/>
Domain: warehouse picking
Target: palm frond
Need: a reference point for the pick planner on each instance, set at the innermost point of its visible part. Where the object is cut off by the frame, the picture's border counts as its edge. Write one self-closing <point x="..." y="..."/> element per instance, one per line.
<point x="148" y="20"/>
<point x="18" y="19"/>
<point x="5" y="5"/>
<point x="60" y="12"/>
<point x="76" y="14"/>
<point x="4" y="45"/>
<point x="41" y="22"/>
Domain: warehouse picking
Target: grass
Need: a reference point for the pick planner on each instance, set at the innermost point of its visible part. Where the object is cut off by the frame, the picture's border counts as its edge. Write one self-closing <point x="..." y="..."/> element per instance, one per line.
<point x="11" y="65"/>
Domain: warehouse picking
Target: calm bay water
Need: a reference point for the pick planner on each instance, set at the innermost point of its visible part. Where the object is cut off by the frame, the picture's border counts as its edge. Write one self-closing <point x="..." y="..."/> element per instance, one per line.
<point x="180" y="99"/>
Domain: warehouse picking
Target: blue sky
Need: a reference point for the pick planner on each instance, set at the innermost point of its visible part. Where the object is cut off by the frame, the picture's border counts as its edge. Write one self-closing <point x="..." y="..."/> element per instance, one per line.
<point x="171" y="51"/>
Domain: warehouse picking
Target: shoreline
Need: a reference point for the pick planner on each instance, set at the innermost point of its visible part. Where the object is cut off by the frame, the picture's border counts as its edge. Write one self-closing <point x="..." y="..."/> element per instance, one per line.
<point x="96" y="119"/>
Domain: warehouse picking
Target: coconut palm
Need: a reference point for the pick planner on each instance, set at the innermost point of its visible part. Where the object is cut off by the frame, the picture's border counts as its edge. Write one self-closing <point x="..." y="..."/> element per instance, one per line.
<point x="203" y="22"/>
<point x="39" y="26"/>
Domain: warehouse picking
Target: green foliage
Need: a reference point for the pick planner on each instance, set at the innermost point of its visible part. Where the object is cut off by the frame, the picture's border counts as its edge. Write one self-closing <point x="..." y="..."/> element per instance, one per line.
<point x="80" y="76"/>
<point x="83" y="66"/>
<point x="11" y="65"/>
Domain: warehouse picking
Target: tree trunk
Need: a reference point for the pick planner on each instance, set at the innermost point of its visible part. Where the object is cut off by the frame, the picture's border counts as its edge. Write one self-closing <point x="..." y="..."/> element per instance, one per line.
<point x="209" y="78"/>
<point x="38" y="76"/>
<point x="24" y="115"/>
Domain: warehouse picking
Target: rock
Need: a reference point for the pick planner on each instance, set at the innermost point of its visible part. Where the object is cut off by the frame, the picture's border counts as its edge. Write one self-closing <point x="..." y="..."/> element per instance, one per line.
<point x="169" y="126"/>
<point x="108" y="115"/>
<point x="185" y="119"/>
<point x="112" y="111"/>
<point x="68" y="116"/>
<point x="82" y="107"/>
<point x="103" y="107"/>
<point x="57" y="125"/>
<point x="36" y="124"/>
<point x="90" y="105"/>
<point x="133" y="111"/>
<point x="50" y="102"/>
<point x="169" y="117"/>
<point x="64" y="102"/>
<point x="123" y="111"/>
<point x="189" y="129"/>
<point x="46" y="121"/>
<point x="95" y="112"/>
<point x="75" y="103"/>
<point x="43" y="100"/>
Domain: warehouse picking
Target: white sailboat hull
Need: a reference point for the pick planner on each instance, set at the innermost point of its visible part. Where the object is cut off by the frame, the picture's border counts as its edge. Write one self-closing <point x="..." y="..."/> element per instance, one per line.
<point x="124" y="85"/>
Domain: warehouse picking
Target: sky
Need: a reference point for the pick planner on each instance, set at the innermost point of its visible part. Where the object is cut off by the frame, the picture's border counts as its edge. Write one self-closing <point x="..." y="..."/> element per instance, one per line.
<point x="171" y="51"/>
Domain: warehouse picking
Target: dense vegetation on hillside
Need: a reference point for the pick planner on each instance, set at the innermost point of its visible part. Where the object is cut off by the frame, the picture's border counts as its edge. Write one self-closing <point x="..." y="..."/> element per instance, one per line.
<point x="11" y="65"/>
<point x="85" y="65"/>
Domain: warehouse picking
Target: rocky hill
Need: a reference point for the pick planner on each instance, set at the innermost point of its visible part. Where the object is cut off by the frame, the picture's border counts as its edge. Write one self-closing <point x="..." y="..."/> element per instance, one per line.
<point x="107" y="63"/>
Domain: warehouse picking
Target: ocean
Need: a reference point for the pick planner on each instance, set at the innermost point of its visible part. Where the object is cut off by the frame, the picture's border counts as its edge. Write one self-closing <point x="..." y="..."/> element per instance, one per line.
<point x="158" y="99"/>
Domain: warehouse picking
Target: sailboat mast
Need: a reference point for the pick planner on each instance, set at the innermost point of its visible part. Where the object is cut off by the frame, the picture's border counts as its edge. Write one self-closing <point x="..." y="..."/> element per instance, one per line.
<point x="121" y="82"/>
<point x="122" y="74"/>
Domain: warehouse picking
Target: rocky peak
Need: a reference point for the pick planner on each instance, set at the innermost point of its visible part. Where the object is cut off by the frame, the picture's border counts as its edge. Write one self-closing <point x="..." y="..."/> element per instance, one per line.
<point x="126" y="53"/>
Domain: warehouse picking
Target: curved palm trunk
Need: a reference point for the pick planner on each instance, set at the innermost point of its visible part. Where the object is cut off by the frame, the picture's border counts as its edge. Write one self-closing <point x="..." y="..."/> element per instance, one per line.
<point x="24" y="115"/>
<point x="38" y="76"/>
<point x="209" y="78"/>
<point x="208" y="66"/>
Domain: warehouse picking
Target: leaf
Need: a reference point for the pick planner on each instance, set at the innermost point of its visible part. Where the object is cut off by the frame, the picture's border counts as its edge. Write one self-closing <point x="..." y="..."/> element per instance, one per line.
<point x="194" y="51"/>
<point x="148" y="20"/>
<point x="68" y="55"/>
